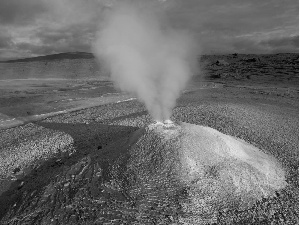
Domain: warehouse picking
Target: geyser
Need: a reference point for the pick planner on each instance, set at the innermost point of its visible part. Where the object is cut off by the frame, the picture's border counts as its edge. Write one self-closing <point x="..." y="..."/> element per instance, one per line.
<point x="145" y="55"/>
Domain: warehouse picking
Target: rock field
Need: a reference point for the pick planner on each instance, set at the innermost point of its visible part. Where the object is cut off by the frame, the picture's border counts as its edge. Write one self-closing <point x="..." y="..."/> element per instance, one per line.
<point x="99" y="166"/>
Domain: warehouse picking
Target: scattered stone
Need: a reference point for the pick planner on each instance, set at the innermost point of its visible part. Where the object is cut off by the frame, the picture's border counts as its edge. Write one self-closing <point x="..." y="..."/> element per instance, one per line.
<point x="221" y="63"/>
<point x="251" y="60"/>
<point x="16" y="170"/>
<point x="86" y="201"/>
<point x="21" y="185"/>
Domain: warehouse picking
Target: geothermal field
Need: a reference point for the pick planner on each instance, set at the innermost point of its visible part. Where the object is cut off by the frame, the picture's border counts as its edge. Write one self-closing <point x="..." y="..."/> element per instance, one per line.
<point x="162" y="123"/>
<point x="76" y="150"/>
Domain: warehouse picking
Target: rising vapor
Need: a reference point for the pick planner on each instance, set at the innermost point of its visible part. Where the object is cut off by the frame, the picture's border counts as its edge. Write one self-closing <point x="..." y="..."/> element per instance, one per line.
<point x="145" y="55"/>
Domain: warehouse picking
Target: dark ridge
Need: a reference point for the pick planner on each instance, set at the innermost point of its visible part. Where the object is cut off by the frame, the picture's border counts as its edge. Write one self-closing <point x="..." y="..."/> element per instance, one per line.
<point x="59" y="56"/>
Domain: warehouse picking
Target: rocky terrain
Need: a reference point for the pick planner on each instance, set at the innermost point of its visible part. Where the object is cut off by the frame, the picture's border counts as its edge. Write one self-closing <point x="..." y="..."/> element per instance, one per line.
<point x="270" y="69"/>
<point x="96" y="166"/>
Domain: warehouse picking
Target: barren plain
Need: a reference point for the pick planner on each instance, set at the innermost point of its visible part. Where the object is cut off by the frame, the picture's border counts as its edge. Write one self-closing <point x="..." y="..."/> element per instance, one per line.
<point x="66" y="141"/>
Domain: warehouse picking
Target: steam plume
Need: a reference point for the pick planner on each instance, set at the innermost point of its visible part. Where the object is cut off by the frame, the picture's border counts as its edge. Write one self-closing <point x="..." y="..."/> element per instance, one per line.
<point x="145" y="56"/>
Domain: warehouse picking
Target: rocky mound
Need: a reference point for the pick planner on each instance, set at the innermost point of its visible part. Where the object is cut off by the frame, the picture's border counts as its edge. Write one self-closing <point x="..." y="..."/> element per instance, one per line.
<point x="213" y="170"/>
<point x="160" y="174"/>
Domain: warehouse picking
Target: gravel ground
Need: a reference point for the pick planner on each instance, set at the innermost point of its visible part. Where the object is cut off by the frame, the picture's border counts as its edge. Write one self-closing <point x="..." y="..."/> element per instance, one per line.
<point x="90" y="186"/>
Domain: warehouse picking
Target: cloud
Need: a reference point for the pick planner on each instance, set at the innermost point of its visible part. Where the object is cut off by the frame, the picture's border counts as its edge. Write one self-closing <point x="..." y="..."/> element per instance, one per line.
<point x="5" y="41"/>
<point x="60" y="40"/>
<point x="44" y="26"/>
<point x="238" y="26"/>
<point x="38" y="27"/>
<point x="292" y="41"/>
<point x="20" y="12"/>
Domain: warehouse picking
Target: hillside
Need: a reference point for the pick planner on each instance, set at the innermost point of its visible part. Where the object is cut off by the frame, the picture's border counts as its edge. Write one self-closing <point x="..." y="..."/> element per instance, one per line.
<point x="59" y="56"/>
<point x="77" y="65"/>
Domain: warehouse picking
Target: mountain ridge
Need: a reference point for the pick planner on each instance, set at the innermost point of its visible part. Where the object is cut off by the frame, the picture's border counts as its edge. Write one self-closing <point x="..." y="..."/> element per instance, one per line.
<point x="58" y="56"/>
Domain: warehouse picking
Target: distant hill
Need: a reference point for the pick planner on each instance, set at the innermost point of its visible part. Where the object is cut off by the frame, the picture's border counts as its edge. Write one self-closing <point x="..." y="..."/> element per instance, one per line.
<point x="59" y="56"/>
<point x="71" y="65"/>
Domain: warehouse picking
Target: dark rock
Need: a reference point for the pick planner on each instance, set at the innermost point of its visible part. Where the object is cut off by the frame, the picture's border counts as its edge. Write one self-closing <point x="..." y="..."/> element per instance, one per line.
<point x="221" y="63"/>
<point x="215" y="76"/>
<point x="16" y="170"/>
<point x="251" y="60"/>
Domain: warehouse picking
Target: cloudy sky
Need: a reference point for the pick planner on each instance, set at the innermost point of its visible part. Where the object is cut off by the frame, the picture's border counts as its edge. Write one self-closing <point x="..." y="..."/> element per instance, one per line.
<point x="40" y="27"/>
